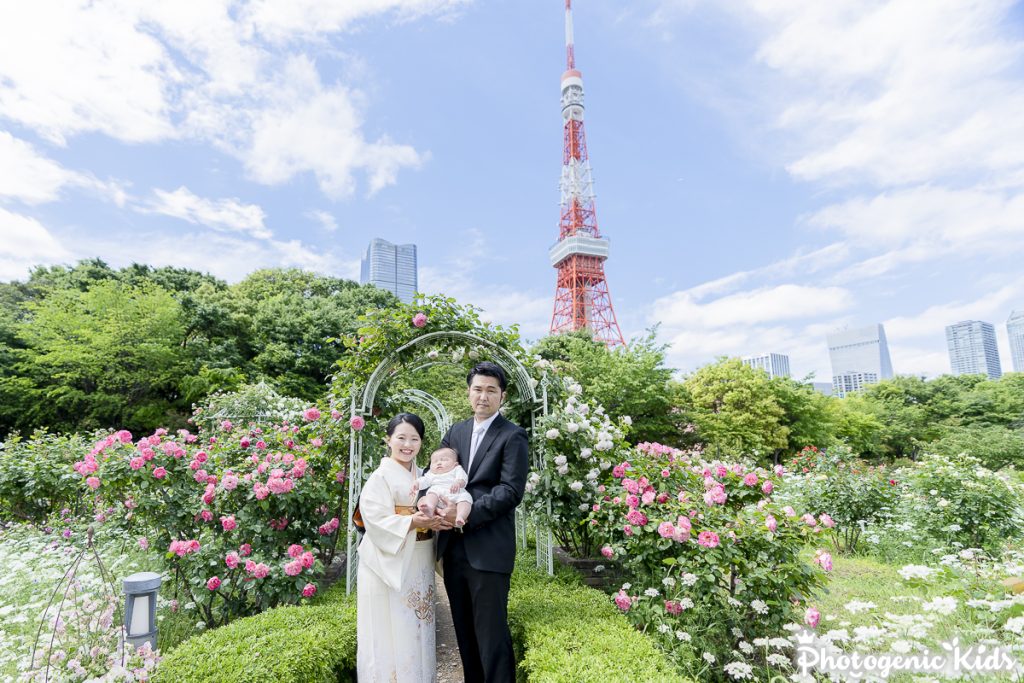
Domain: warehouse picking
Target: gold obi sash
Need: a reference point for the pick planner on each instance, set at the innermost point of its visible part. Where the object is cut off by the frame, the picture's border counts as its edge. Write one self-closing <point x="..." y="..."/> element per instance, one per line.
<point x="422" y="534"/>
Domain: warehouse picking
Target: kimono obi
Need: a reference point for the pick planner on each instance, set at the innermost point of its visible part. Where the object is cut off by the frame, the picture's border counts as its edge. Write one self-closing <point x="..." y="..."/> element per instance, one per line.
<point x="422" y="534"/>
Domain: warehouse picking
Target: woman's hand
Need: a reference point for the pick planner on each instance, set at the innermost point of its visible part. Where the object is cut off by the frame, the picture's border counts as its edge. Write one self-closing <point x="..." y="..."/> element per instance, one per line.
<point x="421" y="520"/>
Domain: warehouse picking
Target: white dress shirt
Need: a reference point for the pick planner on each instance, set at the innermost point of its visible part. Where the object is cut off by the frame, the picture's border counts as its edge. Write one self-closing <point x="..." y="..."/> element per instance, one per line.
<point x="479" y="429"/>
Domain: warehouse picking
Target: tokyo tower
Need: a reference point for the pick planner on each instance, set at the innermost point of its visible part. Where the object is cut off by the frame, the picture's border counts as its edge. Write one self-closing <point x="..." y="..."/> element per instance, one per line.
<point x="582" y="300"/>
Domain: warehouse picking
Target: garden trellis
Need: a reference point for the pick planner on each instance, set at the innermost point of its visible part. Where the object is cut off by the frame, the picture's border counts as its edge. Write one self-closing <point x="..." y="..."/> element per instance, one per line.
<point x="407" y="358"/>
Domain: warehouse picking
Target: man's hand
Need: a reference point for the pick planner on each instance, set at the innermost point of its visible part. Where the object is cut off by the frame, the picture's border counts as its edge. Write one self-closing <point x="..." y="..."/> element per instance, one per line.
<point x="449" y="516"/>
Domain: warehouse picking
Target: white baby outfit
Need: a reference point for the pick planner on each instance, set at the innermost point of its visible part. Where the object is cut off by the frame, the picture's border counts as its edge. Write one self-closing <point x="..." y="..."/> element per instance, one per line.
<point x="441" y="484"/>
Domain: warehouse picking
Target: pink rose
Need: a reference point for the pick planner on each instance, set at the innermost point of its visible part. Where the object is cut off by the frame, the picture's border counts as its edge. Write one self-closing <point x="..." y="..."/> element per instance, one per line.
<point x="206" y="515"/>
<point x="293" y="568"/>
<point x="790" y="512"/>
<point x="124" y="436"/>
<point x="230" y="481"/>
<point x="357" y="422"/>
<point x="823" y="560"/>
<point x="229" y="523"/>
<point x="245" y="549"/>
<point x="648" y="497"/>
<point x="750" y="479"/>
<point x="708" y="539"/>
<point x="159" y="473"/>
<point x="666" y="530"/>
<point x="809" y="520"/>
<point x="608" y="552"/>
<point x="623" y="601"/>
<point x="826" y="521"/>
<point x="294" y="550"/>
<point x="250" y="566"/>
<point x="232" y="559"/>
<point x="226" y="425"/>
<point x="93" y="483"/>
<point x="673" y="607"/>
<point x="213" y="584"/>
<point x="137" y="463"/>
<point x="335" y="415"/>
<point x="144" y="543"/>
<point x="309" y="590"/>
<point x="311" y="414"/>
<point x="618" y="471"/>
<point x="419" y="320"/>
<point x="636" y="517"/>
<point x="767" y="487"/>
<point x="244" y="442"/>
<point x="771" y="523"/>
<point x="812" y="617"/>
<point x="307" y="560"/>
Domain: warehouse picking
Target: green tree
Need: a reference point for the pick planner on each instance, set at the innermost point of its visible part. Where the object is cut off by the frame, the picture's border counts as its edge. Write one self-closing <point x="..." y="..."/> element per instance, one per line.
<point x="109" y="356"/>
<point x="287" y="318"/>
<point x="736" y="411"/>
<point x="632" y="381"/>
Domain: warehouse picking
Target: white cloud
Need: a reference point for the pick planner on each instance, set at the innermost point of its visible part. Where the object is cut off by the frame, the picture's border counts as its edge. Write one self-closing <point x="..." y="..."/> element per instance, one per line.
<point x="25" y="243"/>
<point x="30" y="177"/>
<point x="306" y="127"/>
<point x="220" y="214"/>
<point x="279" y="20"/>
<point x="325" y="219"/>
<point x="146" y="72"/>
<point x="767" y="304"/>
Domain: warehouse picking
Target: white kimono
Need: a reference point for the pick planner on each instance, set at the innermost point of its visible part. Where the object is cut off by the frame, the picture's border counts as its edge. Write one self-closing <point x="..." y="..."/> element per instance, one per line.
<point x="394" y="585"/>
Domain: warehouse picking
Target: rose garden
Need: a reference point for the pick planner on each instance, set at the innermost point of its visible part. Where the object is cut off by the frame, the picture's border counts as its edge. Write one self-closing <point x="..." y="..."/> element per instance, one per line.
<point x="701" y="523"/>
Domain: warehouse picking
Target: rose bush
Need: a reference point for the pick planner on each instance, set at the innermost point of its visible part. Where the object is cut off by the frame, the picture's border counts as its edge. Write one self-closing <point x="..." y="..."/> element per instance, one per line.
<point x="698" y="539"/>
<point x="847" y="491"/>
<point x="249" y="516"/>
<point x="576" y="444"/>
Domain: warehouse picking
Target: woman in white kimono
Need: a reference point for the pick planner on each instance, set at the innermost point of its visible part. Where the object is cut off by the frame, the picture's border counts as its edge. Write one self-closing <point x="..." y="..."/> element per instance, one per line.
<point x="395" y="579"/>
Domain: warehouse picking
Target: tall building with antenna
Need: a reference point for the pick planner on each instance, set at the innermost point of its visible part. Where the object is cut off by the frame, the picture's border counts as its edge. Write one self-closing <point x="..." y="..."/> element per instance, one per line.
<point x="582" y="300"/>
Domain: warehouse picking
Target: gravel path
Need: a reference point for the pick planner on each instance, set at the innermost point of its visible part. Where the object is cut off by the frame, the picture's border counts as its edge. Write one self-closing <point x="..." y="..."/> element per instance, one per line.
<point x="449" y="666"/>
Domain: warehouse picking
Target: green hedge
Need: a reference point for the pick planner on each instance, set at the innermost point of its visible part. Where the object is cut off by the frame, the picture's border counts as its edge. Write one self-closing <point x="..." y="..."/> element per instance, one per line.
<point x="564" y="631"/>
<point x="309" y="644"/>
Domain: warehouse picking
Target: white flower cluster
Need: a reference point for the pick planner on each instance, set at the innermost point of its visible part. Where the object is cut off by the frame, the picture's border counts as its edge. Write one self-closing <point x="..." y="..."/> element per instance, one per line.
<point x="916" y="571"/>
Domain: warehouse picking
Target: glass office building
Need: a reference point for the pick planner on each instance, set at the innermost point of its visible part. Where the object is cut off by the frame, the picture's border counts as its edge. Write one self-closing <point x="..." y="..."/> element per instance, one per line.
<point x="1015" y="330"/>
<point x="391" y="267"/>
<point x="972" y="349"/>
<point x="775" y="364"/>
<point x="860" y="357"/>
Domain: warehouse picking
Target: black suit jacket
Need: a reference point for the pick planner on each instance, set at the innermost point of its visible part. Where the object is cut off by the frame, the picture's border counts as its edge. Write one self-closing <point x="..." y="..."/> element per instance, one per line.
<point x="497" y="481"/>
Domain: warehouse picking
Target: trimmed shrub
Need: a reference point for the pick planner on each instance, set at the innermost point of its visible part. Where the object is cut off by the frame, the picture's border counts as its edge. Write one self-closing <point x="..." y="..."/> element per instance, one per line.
<point x="564" y="631"/>
<point x="311" y="644"/>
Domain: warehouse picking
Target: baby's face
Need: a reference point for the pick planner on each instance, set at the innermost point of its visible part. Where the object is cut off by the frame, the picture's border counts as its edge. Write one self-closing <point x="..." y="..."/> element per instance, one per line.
<point x="442" y="461"/>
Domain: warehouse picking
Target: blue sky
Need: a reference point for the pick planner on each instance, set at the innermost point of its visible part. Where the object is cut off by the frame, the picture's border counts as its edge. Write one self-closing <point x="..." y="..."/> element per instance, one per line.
<point x="766" y="171"/>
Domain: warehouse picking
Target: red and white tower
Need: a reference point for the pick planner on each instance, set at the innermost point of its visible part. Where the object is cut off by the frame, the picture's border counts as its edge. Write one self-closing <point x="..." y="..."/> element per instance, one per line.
<point x="582" y="300"/>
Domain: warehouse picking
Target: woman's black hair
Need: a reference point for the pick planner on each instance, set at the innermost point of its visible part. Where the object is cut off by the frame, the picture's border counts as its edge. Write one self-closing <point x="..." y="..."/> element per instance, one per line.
<point x="488" y="369"/>
<point x="407" y="418"/>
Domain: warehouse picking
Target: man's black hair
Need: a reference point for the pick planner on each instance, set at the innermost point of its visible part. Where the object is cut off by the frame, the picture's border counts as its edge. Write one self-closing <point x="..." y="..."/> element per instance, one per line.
<point x="488" y="369"/>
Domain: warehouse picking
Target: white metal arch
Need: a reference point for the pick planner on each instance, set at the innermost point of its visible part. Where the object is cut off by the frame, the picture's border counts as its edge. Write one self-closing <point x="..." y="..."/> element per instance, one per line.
<point x="363" y="405"/>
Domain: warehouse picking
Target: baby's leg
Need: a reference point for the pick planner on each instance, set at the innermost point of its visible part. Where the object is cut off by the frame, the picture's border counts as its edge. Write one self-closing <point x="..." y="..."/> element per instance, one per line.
<point x="428" y="504"/>
<point x="462" y="512"/>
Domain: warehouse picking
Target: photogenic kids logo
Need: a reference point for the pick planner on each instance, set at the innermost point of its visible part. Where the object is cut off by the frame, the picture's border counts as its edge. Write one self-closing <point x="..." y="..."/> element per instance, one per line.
<point x="816" y="655"/>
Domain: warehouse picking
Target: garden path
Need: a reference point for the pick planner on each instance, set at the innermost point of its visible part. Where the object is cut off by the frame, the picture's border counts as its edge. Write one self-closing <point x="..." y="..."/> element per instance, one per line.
<point x="449" y="666"/>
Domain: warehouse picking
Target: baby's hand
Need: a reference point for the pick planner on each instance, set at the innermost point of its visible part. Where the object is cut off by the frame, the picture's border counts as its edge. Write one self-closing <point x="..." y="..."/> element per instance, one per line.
<point x="414" y="488"/>
<point x="457" y="486"/>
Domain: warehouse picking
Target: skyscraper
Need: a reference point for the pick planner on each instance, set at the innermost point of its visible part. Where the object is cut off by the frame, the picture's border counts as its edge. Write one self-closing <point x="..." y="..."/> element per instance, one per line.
<point x="391" y="267"/>
<point x="1015" y="330"/>
<point x="859" y="357"/>
<point x="775" y="364"/>
<point x="972" y="349"/>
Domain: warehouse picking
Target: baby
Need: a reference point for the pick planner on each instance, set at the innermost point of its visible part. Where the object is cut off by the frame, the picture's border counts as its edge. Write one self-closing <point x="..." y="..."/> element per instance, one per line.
<point x="445" y="479"/>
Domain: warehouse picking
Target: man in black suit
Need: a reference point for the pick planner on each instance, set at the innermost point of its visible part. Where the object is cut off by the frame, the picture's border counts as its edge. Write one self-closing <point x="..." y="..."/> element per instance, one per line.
<point x="478" y="560"/>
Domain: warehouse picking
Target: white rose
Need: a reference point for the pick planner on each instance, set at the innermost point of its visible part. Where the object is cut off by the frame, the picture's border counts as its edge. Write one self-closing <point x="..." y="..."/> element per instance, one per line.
<point x="605" y="464"/>
<point x="576" y="486"/>
<point x="572" y="427"/>
<point x="552" y="434"/>
<point x="627" y="420"/>
<point x="474" y="354"/>
<point x="560" y="460"/>
<point x="586" y="453"/>
<point x="592" y="475"/>
<point x="432" y="354"/>
<point x="584" y="507"/>
<point x="583" y="409"/>
<point x="563" y="470"/>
